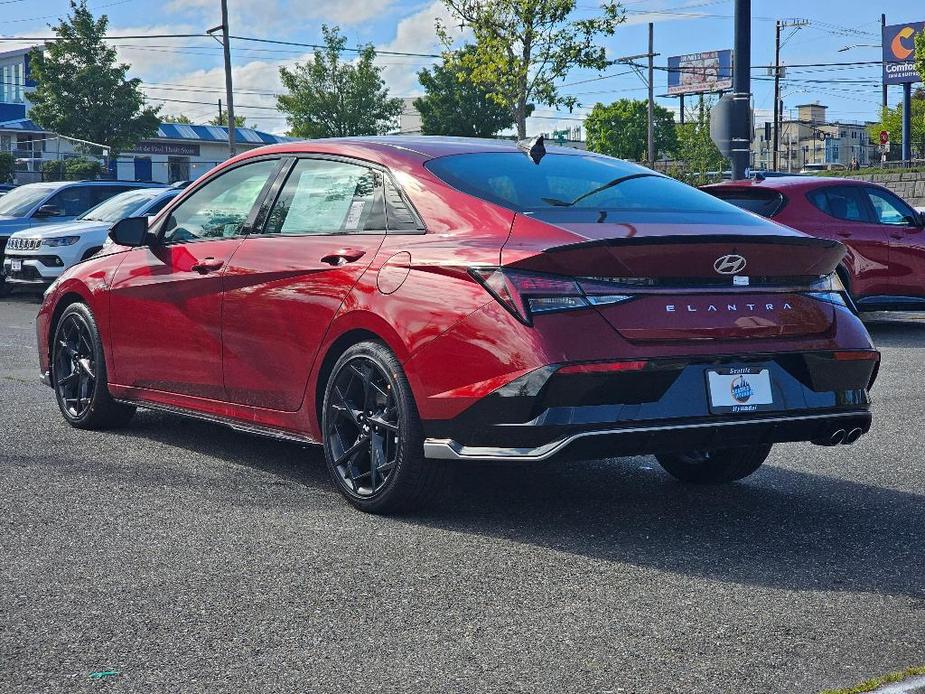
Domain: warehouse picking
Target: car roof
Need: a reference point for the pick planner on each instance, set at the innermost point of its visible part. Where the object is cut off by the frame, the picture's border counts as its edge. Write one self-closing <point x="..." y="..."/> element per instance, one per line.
<point x="788" y="183"/>
<point x="391" y="148"/>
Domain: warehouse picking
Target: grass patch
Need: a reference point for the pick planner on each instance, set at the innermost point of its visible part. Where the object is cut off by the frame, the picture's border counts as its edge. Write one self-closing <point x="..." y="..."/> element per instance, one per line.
<point x="875" y="682"/>
<point x="876" y="171"/>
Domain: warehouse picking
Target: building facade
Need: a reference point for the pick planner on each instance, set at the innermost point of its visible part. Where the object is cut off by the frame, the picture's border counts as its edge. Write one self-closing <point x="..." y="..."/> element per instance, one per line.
<point x="177" y="152"/>
<point x="810" y="139"/>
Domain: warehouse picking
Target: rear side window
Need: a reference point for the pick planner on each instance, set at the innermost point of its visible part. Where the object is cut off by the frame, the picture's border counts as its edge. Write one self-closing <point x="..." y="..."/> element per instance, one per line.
<point x="767" y="203"/>
<point x="570" y="181"/>
<point x="322" y="196"/>
<point x="841" y="202"/>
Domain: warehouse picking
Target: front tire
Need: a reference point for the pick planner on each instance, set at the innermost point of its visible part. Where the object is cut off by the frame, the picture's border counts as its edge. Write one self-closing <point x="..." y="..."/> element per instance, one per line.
<point x="78" y="373"/>
<point x="716" y="466"/>
<point x="373" y="439"/>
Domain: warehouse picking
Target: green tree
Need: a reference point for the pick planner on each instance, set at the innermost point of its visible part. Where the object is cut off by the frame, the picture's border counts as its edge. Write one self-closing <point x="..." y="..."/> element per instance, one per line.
<point x="452" y="105"/>
<point x="74" y="169"/>
<point x="620" y="129"/>
<point x="328" y="97"/>
<point x="82" y="92"/>
<point x="891" y="119"/>
<point x="523" y="47"/>
<point x="240" y="121"/>
<point x="179" y="118"/>
<point x="7" y="163"/>
<point x="696" y="152"/>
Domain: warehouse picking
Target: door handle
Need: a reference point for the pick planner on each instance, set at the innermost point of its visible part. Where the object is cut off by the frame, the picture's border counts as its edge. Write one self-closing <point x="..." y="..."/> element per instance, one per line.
<point x="207" y="265"/>
<point x="344" y="256"/>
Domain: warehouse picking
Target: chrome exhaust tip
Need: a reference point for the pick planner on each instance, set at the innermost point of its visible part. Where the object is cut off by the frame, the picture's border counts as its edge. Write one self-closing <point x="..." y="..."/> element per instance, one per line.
<point x="853" y="435"/>
<point x="837" y="437"/>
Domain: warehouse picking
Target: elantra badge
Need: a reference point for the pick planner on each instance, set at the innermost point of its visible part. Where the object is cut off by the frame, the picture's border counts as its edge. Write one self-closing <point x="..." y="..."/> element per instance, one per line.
<point x="730" y="264"/>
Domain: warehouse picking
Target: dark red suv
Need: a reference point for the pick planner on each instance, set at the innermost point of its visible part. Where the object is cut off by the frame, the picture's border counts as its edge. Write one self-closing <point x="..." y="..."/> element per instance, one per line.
<point x="412" y="301"/>
<point x="884" y="268"/>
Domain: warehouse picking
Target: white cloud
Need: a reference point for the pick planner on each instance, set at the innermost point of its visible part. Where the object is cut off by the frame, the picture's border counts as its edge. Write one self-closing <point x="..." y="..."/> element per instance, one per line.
<point x="415" y="34"/>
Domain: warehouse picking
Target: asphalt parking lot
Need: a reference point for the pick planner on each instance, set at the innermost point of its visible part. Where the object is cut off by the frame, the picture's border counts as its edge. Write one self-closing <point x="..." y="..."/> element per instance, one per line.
<point x="186" y="557"/>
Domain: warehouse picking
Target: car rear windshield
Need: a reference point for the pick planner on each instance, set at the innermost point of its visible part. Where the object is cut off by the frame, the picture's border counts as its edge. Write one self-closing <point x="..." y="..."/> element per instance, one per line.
<point x="767" y="203"/>
<point x="570" y="181"/>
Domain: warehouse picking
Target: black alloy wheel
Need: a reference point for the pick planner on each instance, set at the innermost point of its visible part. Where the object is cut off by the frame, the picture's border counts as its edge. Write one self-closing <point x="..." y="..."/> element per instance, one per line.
<point x="363" y="427"/>
<point x="373" y="440"/>
<point x="74" y="365"/>
<point x="78" y="373"/>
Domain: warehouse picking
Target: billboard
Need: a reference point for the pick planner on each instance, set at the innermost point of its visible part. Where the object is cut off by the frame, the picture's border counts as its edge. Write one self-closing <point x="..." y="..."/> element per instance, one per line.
<point x="697" y="73"/>
<point x="899" y="52"/>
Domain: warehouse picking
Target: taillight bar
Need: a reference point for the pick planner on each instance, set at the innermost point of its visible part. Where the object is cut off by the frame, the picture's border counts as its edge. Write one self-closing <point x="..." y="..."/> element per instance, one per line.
<point x="524" y="294"/>
<point x="596" y="367"/>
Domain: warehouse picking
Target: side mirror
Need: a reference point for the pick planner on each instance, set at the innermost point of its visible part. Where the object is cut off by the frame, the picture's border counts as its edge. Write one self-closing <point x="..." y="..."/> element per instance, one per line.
<point x="49" y="211"/>
<point x="131" y="231"/>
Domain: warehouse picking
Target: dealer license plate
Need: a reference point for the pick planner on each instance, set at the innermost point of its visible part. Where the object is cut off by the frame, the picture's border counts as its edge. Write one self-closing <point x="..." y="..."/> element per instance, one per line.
<point x="16" y="266"/>
<point x="740" y="390"/>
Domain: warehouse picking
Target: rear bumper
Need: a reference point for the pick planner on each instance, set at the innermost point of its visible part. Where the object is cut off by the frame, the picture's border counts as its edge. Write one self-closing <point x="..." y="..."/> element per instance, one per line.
<point x="662" y="406"/>
<point x="664" y="438"/>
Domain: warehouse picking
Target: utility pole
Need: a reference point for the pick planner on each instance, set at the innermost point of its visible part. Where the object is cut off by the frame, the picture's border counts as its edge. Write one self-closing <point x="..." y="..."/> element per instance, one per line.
<point x="778" y="111"/>
<point x="229" y="97"/>
<point x="741" y="86"/>
<point x="651" y="128"/>
<point x="219" y="110"/>
<point x="882" y="28"/>
<point x="775" y="135"/>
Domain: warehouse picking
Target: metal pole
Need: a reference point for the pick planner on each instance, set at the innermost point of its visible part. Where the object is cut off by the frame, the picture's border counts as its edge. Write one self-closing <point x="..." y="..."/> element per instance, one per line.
<point x="229" y="98"/>
<point x="741" y="86"/>
<point x="882" y="29"/>
<point x="219" y="111"/>
<point x="776" y="139"/>
<point x="651" y="128"/>
<point x="907" y="123"/>
<point x="682" y="109"/>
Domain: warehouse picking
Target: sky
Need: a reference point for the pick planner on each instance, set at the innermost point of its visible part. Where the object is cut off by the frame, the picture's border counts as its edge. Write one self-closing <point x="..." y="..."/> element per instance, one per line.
<point x="185" y="75"/>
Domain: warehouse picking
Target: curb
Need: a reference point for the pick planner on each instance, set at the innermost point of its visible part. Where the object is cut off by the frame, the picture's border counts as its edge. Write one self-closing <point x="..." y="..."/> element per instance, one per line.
<point x="913" y="685"/>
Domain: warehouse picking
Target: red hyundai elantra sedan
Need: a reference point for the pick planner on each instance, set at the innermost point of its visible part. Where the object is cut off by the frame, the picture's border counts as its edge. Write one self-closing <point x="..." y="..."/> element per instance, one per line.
<point x="884" y="267"/>
<point x="405" y="302"/>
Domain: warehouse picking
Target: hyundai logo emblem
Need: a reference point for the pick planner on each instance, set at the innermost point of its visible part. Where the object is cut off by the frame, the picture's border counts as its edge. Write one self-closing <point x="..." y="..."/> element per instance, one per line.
<point x="730" y="264"/>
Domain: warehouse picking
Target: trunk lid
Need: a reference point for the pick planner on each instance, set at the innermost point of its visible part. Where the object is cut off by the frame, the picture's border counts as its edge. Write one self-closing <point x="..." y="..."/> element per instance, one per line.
<point x="690" y="280"/>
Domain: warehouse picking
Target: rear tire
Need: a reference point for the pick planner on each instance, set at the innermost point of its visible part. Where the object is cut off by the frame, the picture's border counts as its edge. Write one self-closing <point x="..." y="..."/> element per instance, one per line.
<point x="716" y="466"/>
<point x="78" y="373"/>
<point x="373" y="438"/>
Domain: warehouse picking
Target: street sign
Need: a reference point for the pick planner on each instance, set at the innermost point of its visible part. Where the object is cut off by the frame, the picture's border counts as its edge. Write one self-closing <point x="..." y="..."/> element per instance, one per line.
<point x="899" y="53"/>
<point x="884" y="137"/>
<point x="732" y="124"/>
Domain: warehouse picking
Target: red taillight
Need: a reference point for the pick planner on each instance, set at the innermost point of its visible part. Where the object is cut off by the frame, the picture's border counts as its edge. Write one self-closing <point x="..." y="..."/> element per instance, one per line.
<point x="856" y="356"/>
<point x="528" y="293"/>
<point x="603" y="367"/>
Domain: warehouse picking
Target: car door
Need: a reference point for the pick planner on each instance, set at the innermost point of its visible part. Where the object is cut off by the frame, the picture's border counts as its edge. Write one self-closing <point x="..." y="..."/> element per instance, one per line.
<point x="847" y="218"/>
<point x="291" y="275"/>
<point x="166" y="298"/>
<point x="904" y="228"/>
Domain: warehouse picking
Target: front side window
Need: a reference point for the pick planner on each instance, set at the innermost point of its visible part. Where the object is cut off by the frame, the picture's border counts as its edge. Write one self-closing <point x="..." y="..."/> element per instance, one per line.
<point x="74" y="200"/>
<point x="841" y="202"/>
<point x="889" y="209"/>
<point x="328" y="197"/>
<point x="219" y="208"/>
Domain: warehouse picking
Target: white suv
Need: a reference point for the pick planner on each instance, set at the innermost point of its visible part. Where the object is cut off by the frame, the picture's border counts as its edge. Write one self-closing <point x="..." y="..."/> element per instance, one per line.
<point x="37" y="256"/>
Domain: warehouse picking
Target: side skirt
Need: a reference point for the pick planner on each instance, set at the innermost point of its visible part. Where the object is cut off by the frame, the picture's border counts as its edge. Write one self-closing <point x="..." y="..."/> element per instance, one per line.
<point x="243" y="427"/>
